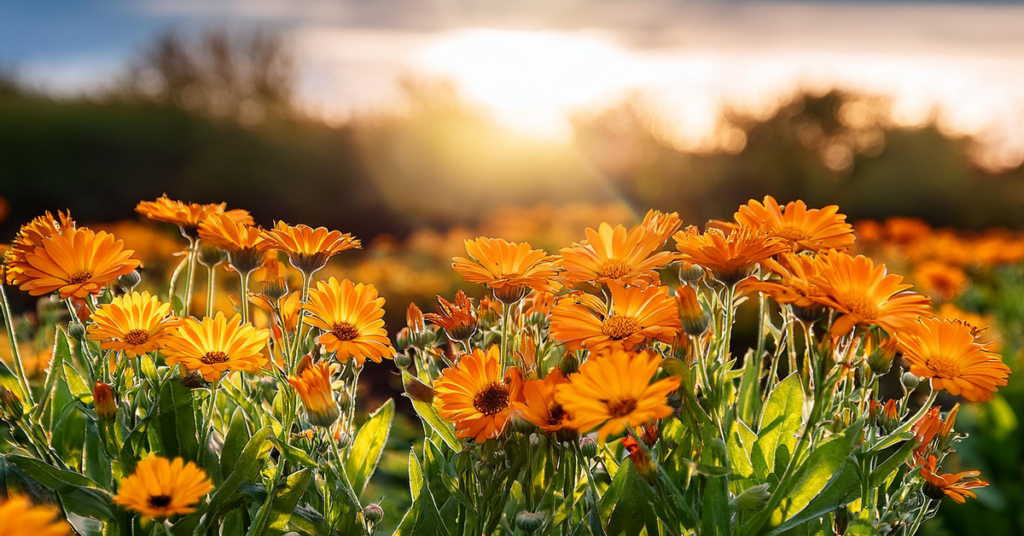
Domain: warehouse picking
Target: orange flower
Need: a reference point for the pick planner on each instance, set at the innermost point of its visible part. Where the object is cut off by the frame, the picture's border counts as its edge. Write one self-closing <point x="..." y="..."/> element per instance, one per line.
<point x="662" y="224"/>
<point x="21" y="518"/>
<point x="804" y="229"/>
<point x="729" y="257"/>
<point x="133" y="323"/>
<point x="290" y="305"/>
<point x="694" y="318"/>
<point x="793" y="287"/>
<point x="77" y="262"/>
<point x="313" y="384"/>
<point x="352" y="319"/>
<point x="950" y="354"/>
<point x="458" y="320"/>
<point x="475" y="397"/>
<point x="215" y="346"/>
<point x="539" y="303"/>
<point x="613" y="389"/>
<point x="941" y="280"/>
<point x="308" y="249"/>
<point x="31" y="236"/>
<point x="510" y="269"/>
<point x="903" y="230"/>
<point x="955" y="486"/>
<point x="930" y="426"/>
<point x="865" y="295"/>
<point x="188" y="216"/>
<point x="614" y="255"/>
<point x="244" y="243"/>
<point x="637" y="314"/>
<point x="539" y="405"/>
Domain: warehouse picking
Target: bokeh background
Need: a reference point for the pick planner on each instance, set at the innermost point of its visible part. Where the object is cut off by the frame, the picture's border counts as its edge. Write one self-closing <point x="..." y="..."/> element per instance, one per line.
<point x="416" y="124"/>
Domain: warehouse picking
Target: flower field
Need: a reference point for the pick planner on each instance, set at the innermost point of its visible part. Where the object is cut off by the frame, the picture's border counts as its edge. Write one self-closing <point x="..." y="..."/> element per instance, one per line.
<point x="569" y="370"/>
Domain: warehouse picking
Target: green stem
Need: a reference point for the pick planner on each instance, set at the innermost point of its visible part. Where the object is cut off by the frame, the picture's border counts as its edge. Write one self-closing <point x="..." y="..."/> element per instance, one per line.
<point x="302" y="320"/>
<point x="243" y="288"/>
<point x="193" y="251"/>
<point x="173" y="286"/>
<point x="12" y="340"/>
<point x="208" y="420"/>
<point x="211" y="284"/>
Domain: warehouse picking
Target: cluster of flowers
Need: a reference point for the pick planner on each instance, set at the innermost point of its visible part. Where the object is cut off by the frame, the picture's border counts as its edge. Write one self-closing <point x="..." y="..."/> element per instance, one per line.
<point x="121" y="330"/>
<point x="591" y="340"/>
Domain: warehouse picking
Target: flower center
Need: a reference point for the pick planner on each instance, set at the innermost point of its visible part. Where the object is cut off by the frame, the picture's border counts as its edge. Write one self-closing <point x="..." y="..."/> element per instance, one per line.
<point x="136" y="336"/>
<point x="492" y="400"/>
<point x="345" y="331"/>
<point x="620" y="327"/>
<point x="793" y="233"/>
<point x="80" y="277"/>
<point x="160" y="501"/>
<point x="555" y="414"/>
<point x="943" y="366"/>
<point x="614" y="269"/>
<point x="214" y="357"/>
<point x="861" y="305"/>
<point x="620" y="407"/>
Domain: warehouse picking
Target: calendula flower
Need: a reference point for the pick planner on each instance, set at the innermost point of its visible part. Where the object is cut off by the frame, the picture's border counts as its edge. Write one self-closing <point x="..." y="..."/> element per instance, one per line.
<point x="160" y="488"/>
<point x="313" y="384"/>
<point x="955" y="486"/>
<point x="662" y="224"/>
<point x="135" y="324"/>
<point x="539" y="303"/>
<point x="290" y="305"/>
<point x="244" y="243"/>
<point x="352" y="319"/>
<point x="903" y="230"/>
<point x="613" y="389"/>
<point x="29" y="238"/>
<point x="613" y="254"/>
<point x="77" y="262"/>
<point x="458" y="320"/>
<point x="641" y="461"/>
<point x="729" y="257"/>
<point x="941" y="280"/>
<point x="509" y="269"/>
<point x="804" y="229"/>
<point x="694" y="318"/>
<point x="637" y="314"/>
<point x="863" y="294"/>
<point x="950" y="354"/>
<point x="307" y="248"/>
<point x="414" y="319"/>
<point x="218" y="345"/>
<point x="475" y="397"/>
<point x="539" y="405"/>
<point x="188" y="216"/>
<point x="931" y="426"/>
<point x="792" y="286"/>
<point x="18" y="517"/>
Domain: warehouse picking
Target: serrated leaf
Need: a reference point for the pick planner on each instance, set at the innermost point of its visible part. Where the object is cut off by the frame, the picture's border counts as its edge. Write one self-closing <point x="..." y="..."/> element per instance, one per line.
<point x="369" y="445"/>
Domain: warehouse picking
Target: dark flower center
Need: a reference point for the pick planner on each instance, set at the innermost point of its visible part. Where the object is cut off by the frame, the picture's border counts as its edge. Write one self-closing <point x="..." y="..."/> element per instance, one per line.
<point x="492" y="400"/>
<point x="214" y="357"/>
<point x="80" y="277"/>
<point x="136" y="336"/>
<point x="345" y="331"/>
<point x="620" y="407"/>
<point x="160" y="501"/>
<point x="555" y="414"/>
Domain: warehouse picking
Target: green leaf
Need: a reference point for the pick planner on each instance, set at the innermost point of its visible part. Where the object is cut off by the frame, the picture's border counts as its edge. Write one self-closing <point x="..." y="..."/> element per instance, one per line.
<point x="813" y="475"/>
<point x="840" y="491"/>
<point x="748" y="401"/>
<point x="78" y="386"/>
<point x="294" y="454"/>
<point x="629" y="517"/>
<point x="891" y="465"/>
<point x="61" y="353"/>
<point x="79" y="494"/>
<point x="428" y="413"/>
<point x="250" y="463"/>
<point x="174" y="424"/>
<point x="415" y="474"/>
<point x="368" y="446"/>
<point x="776" y="435"/>
<point x="234" y="442"/>
<point x="273" y="517"/>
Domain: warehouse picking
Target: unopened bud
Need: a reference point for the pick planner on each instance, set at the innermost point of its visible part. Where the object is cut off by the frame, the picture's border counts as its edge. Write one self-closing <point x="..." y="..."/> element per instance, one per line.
<point x="342" y="438"/>
<point x="752" y="498"/>
<point x="530" y="521"/>
<point x="193" y="380"/>
<point x="588" y="447"/>
<point x="130" y="280"/>
<point x="11" y="408"/>
<point x="910" y="381"/>
<point x="373" y="513"/>
<point x="569" y="364"/>
<point x="105" y="401"/>
<point x="883" y="355"/>
<point x="402" y="360"/>
<point x="693" y="316"/>
<point x="76" y="330"/>
<point x="689" y="272"/>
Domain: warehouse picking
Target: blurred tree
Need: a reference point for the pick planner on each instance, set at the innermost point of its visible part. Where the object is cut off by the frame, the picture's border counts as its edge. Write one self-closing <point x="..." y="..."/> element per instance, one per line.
<point x="244" y="75"/>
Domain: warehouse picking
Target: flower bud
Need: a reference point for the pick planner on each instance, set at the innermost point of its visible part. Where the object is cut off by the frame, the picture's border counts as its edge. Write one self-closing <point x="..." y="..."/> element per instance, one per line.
<point x="530" y="521"/>
<point x="76" y="330"/>
<point x="588" y="447"/>
<point x="414" y="319"/>
<point x="11" y="408"/>
<point x="910" y="381"/>
<point x="569" y="364"/>
<point x="105" y="402"/>
<point x="130" y="280"/>
<point x="211" y="256"/>
<point x="689" y="272"/>
<point x="693" y="316"/>
<point x="883" y="355"/>
<point x="404" y="340"/>
<point x="890" y="415"/>
<point x="402" y="360"/>
<point x="521" y="425"/>
<point x="373" y="513"/>
<point x="752" y="498"/>
<point x="341" y="437"/>
<point x="193" y="380"/>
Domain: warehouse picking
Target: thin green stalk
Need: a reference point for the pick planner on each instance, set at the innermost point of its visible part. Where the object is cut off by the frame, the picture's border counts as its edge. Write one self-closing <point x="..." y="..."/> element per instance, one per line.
<point x="192" y="254"/>
<point x="243" y="292"/>
<point x="302" y="320"/>
<point x="208" y="418"/>
<point x="211" y="285"/>
<point x="173" y="285"/>
<point x="12" y="340"/>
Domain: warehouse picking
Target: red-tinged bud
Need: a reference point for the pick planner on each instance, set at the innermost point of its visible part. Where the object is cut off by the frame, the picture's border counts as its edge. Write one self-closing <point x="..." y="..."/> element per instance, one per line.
<point x="105" y="402"/>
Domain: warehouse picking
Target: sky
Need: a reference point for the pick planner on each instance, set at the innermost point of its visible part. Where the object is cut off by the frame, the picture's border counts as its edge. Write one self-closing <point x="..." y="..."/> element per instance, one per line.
<point x="535" y="63"/>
